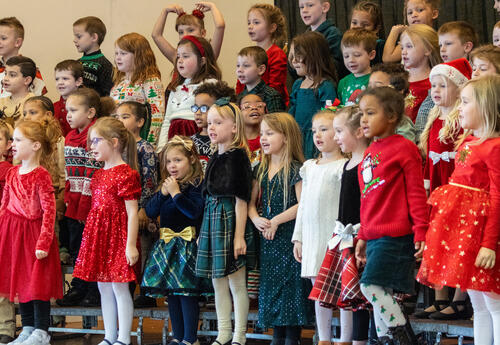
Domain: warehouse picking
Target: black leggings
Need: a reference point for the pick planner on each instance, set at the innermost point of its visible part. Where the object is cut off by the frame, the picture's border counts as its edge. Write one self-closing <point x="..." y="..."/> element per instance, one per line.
<point x="287" y="332"/>
<point x="35" y="314"/>
<point x="360" y="325"/>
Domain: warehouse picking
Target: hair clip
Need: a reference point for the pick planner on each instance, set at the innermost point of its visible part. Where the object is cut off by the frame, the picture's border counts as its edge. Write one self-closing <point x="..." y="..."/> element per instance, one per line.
<point x="198" y="14"/>
<point x="335" y="106"/>
<point x="223" y="101"/>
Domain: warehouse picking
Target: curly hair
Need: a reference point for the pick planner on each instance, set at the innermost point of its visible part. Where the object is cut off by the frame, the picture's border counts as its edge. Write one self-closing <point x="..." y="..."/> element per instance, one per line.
<point x="273" y="15"/>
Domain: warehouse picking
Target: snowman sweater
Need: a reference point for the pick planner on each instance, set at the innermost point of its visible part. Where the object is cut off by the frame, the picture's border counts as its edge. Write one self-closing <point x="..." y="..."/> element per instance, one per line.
<point x="393" y="198"/>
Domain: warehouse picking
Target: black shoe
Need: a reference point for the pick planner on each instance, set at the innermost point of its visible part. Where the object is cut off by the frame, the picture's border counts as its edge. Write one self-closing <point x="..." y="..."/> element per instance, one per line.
<point x="142" y="301"/>
<point x="72" y="298"/>
<point x="91" y="299"/>
<point x="4" y="339"/>
<point x="384" y="341"/>
<point x="278" y="341"/>
<point x="438" y="305"/>
<point x="403" y="335"/>
<point x="458" y="314"/>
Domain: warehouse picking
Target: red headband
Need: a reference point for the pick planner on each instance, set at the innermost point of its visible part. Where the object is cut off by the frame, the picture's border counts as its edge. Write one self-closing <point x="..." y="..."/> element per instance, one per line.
<point x="196" y="42"/>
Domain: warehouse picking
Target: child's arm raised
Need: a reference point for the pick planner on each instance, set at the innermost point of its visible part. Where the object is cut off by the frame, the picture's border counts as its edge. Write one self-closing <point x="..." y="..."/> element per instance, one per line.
<point x="165" y="47"/>
<point x="241" y="212"/>
<point x="392" y="50"/>
<point x="131" y="251"/>
<point x="260" y="223"/>
<point x="219" y="25"/>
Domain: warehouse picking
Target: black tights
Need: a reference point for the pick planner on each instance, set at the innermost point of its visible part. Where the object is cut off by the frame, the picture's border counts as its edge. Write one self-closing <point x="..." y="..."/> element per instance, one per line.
<point x="35" y="314"/>
<point x="287" y="332"/>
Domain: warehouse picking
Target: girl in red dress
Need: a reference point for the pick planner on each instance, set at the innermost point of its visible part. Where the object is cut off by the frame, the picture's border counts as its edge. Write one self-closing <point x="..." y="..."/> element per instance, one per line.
<point x="462" y="248"/>
<point x="109" y="244"/>
<point x="29" y="256"/>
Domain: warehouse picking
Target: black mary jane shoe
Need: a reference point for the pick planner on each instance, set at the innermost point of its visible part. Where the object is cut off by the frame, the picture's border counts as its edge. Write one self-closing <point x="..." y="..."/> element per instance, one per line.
<point x="117" y="342"/>
<point x="458" y="314"/>
<point x="437" y="305"/>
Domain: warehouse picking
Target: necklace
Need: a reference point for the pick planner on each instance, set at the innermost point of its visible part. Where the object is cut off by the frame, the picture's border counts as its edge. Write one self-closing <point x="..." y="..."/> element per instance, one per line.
<point x="269" y="197"/>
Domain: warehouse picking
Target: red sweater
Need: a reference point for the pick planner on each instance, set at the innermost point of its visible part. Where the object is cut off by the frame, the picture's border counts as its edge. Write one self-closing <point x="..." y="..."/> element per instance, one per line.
<point x="393" y="199"/>
<point x="79" y="170"/>
<point x="60" y="114"/>
<point x="418" y="92"/>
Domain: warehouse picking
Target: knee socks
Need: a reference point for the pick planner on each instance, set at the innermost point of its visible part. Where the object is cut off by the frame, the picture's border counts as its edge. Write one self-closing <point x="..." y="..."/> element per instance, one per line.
<point x="323" y="320"/>
<point x="486" y="317"/>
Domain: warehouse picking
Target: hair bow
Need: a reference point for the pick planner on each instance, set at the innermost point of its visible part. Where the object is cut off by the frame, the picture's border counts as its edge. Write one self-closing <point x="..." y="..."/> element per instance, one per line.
<point x="223" y="101"/>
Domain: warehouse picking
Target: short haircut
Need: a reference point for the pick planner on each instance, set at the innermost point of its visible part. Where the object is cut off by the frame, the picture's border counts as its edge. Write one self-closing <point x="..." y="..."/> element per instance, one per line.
<point x="398" y="76"/>
<point x="93" y="25"/>
<point x="391" y="100"/>
<point x="216" y="90"/>
<point x="487" y="52"/>
<point x="357" y="37"/>
<point x="464" y="31"/>
<point x="6" y="130"/>
<point x="14" y="23"/>
<point x="74" y="66"/>
<point x="26" y="65"/>
<point x="258" y="54"/>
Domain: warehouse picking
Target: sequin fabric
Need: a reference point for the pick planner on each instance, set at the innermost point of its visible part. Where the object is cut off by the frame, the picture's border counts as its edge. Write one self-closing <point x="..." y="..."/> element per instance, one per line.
<point x="102" y="253"/>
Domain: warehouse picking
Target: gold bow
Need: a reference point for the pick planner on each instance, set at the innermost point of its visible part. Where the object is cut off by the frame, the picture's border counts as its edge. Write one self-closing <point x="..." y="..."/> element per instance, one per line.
<point x="187" y="234"/>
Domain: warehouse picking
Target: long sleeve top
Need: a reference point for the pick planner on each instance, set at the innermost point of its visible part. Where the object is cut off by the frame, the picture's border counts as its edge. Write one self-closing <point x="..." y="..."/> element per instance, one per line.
<point x="97" y="72"/>
<point x="148" y="170"/>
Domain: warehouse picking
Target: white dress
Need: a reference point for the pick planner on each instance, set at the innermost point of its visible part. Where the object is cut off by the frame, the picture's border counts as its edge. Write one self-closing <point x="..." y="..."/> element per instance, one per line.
<point x="318" y="211"/>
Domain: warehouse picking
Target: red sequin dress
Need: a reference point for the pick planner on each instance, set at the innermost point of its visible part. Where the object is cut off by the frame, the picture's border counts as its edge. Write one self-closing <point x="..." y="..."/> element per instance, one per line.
<point x="102" y="253"/>
<point x="27" y="219"/>
<point x="464" y="218"/>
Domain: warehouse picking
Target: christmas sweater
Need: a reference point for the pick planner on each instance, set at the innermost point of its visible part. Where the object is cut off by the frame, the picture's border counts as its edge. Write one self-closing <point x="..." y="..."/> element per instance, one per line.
<point x="393" y="198"/>
<point x="12" y="111"/>
<point x="202" y="143"/>
<point x="351" y="87"/>
<point x="418" y="93"/>
<point x="97" y="72"/>
<point x="60" y="114"/>
<point x="37" y="87"/>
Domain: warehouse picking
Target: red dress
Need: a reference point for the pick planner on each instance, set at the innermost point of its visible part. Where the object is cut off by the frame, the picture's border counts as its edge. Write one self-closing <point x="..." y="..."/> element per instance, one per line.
<point x="465" y="218"/>
<point x="102" y="253"/>
<point x="27" y="219"/>
<point x="4" y="167"/>
<point x="418" y="92"/>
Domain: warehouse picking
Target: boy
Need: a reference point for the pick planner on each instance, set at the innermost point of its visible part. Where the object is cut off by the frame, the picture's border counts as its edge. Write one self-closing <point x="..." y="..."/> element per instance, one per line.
<point x="253" y="109"/>
<point x="89" y="32"/>
<point x="69" y="77"/>
<point x="12" y="33"/>
<point x="358" y="49"/>
<point x="20" y="71"/>
<point x="251" y="65"/>
<point x="456" y="40"/>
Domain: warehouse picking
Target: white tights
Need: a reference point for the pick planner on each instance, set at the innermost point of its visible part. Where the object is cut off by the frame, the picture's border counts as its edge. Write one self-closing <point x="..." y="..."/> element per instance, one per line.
<point x="117" y="305"/>
<point x="486" y="317"/>
<point x="234" y="284"/>
<point x="323" y="320"/>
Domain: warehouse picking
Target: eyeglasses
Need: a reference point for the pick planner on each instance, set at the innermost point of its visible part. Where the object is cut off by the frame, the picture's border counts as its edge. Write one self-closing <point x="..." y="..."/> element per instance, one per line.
<point x="96" y="141"/>
<point x="201" y="108"/>
<point x="258" y="105"/>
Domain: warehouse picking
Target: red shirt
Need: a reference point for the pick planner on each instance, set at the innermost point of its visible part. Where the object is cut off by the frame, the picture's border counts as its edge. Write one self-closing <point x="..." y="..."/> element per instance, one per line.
<point x="60" y="114"/>
<point x="418" y="92"/>
<point x="4" y="167"/>
<point x="393" y="198"/>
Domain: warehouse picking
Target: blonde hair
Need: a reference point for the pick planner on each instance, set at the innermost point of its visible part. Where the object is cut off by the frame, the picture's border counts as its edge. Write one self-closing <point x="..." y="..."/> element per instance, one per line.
<point x="231" y="111"/>
<point x="487" y="52"/>
<point x="273" y="15"/>
<point x="110" y="128"/>
<point x="429" y="38"/>
<point x="187" y="147"/>
<point x="285" y="124"/>
<point x="329" y="115"/>
<point x="451" y="126"/>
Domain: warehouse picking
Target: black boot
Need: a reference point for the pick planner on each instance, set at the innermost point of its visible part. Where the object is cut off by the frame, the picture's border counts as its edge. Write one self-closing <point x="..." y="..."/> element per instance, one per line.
<point x="403" y="335"/>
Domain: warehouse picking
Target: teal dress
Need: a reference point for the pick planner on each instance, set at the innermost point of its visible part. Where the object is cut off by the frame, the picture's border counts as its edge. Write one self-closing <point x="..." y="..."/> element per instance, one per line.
<point x="283" y="294"/>
<point x="304" y="104"/>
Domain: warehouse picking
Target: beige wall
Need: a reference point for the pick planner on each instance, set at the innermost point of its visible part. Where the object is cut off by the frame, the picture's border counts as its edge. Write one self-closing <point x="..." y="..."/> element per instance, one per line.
<point x="49" y="35"/>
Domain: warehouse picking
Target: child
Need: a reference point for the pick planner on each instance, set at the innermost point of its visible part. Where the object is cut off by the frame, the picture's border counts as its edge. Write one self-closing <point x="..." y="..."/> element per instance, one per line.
<point x="358" y="49"/>
<point x="415" y="12"/>
<point x="368" y="15"/>
<point x="189" y="24"/>
<point x="224" y="239"/>
<point x="496" y="5"/>
<point x="462" y="242"/>
<point x="20" y="72"/>
<point x="267" y="28"/>
<point x="253" y="109"/>
<point x="337" y="283"/>
<point x="12" y="32"/>
<point x="283" y="303"/>
<point x="89" y="33"/>
<point x="170" y="267"/>
<point x="250" y="67"/>
<point x="27" y="240"/>
<point x="135" y="117"/>
<point x="69" y="77"/>
<point x="204" y="97"/>
<point x="456" y="40"/>
<point x="109" y="243"/>
<point x="6" y="132"/>
<point x="485" y="61"/>
<point x="138" y="79"/>
<point x="420" y="51"/>
<point x="496" y="35"/>
<point x="318" y="209"/>
<point x="316" y="85"/>
<point x="390" y="176"/>
<point x="195" y="64"/>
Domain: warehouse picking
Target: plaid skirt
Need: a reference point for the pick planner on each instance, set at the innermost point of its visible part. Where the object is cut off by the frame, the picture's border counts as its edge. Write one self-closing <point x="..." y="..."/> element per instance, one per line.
<point x="215" y="257"/>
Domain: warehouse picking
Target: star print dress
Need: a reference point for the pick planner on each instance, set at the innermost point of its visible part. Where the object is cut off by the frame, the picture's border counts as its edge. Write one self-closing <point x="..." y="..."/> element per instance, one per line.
<point x="465" y="218"/>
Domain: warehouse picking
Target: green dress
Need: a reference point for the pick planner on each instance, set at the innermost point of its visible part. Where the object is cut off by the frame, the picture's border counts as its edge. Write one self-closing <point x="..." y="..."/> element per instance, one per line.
<point x="283" y="294"/>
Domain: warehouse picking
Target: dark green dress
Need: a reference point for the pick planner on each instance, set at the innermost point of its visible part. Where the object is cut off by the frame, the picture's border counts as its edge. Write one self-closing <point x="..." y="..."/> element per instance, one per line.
<point x="283" y="294"/>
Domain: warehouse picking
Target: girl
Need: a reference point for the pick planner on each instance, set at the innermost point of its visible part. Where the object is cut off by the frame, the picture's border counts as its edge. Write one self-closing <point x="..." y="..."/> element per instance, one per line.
<point x="224" y="239"/>
<point x="109" y="244"/>
<point x="189" y="24"/>
<point x="391" y="182"/>
<point x="420" y="51"/>
<point x="134" y="117"/>
<point x="415" y="12"/>
<point x="253" y="109"/>
<point x="318" y="209"/>
<point x="267" y="28"/>
<point x="315" y="86"/>
<point x="138" y="79"/>
<point x="170" y="270"/>
<point x="462" y="242"/>
<point x="283" y="302"/>
<point x="485" y="60"/>
<point x="195" y="64"/>
<point x="27" y="241"/>
<point x="368" y="15"/>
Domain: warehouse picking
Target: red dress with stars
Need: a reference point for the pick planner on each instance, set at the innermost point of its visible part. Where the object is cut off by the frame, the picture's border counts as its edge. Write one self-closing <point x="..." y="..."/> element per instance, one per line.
<point x="27" y="219"/>
<point x="464" y="218"/>
<point x="102" y="253"/>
